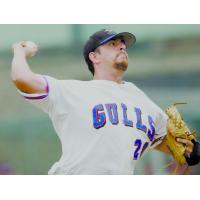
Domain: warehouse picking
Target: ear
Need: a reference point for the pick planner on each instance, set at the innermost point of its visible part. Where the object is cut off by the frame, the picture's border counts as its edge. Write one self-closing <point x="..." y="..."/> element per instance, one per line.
<point x="93" y="57"/>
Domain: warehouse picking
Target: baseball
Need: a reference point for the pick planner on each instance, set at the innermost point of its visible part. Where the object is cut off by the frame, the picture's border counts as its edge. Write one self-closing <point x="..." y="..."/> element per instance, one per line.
<point x="30" y="44"/>
<point x="33" y="48"/>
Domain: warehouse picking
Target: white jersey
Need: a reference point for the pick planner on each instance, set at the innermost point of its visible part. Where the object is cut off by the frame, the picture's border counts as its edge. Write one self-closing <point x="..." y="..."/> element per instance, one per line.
<point x="104" y="127"/>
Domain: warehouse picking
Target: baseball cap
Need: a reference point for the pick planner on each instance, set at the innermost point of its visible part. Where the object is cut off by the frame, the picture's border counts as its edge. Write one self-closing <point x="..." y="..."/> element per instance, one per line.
<point x="101" y="37"/>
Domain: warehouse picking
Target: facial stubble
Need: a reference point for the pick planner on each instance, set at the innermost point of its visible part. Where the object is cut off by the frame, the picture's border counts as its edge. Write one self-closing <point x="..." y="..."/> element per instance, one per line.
<point x="121" y="64"/>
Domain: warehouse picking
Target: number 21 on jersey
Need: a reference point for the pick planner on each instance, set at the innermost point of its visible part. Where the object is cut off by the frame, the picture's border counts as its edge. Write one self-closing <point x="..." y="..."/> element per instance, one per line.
<point x="140" y="148"/>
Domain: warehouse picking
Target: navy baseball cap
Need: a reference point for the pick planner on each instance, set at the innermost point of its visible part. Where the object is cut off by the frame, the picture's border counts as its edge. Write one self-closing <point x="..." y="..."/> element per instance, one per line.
<point x="101" y="37"/>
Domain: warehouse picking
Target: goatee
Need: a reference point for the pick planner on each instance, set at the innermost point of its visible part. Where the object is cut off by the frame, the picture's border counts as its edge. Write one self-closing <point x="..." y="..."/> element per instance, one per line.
<point x="121" y="61"/>
<point x="123" y="65"/>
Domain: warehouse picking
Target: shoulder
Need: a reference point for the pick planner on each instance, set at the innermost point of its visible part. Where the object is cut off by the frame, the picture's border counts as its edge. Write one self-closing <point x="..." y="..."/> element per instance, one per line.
<point x="63" y="82"/>
<point x="146" y="99"/>
<point x="134" y="88"/>
<point x="71" y="82"/>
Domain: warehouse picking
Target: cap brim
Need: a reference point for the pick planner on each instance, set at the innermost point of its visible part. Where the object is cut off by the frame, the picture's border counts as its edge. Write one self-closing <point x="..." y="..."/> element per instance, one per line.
<point x="129" y="38"/>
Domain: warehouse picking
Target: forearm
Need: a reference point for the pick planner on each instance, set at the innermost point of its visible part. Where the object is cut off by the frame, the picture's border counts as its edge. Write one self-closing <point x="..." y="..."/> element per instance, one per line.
<point x="20" y="68"/>
<point x="22" y="76"/>
<point x="163" y="147"/>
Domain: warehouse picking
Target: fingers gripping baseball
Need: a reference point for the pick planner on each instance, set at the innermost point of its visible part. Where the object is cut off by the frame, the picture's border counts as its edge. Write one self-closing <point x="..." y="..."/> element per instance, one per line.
<point x="28" y="48"/>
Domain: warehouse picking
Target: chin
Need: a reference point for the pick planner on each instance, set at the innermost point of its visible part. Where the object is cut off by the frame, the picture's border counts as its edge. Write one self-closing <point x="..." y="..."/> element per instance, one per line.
<point x="121" y="65"/>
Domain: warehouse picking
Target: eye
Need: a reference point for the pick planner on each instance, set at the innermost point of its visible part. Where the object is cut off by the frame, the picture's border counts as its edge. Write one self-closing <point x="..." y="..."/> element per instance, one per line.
<point x="112" y="43"/>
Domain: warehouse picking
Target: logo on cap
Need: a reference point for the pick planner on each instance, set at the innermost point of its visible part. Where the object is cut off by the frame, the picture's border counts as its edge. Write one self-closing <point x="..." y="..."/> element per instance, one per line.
<point x="108" y="31"/>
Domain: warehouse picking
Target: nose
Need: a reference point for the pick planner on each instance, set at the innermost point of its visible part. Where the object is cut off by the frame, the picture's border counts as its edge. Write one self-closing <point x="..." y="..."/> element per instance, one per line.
<point x="122" y="46"/>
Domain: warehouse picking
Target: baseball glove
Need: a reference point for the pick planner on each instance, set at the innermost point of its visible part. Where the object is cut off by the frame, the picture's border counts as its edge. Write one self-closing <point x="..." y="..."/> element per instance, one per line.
<point x="177" y="128"/>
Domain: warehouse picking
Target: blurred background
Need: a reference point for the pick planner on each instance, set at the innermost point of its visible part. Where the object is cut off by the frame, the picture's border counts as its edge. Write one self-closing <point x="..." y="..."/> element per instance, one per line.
<point x="165" y="63"/>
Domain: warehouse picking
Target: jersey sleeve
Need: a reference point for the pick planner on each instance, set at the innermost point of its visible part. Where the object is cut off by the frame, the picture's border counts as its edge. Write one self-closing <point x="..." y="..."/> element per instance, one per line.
<point x="160" y="122"/>
<point x="48" y="101"/>
<point x="160" y="128"/>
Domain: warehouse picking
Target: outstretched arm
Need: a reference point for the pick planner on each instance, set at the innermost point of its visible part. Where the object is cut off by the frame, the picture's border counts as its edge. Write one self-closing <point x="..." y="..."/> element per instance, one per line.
<point x="22" y="76"/>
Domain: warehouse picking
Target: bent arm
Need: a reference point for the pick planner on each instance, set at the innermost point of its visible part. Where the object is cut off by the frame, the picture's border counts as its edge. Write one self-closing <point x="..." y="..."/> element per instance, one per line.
<point x="163" y="147"/>
<point x="22" y="76"/>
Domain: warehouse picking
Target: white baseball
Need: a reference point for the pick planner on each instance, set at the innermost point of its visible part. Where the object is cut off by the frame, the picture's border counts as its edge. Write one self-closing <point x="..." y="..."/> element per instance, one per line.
<point x="30" y="44"/>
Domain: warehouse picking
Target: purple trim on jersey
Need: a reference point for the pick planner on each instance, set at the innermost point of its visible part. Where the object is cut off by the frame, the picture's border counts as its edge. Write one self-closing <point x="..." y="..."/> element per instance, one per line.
<point x="47" y="85"/>
<point x="40" y="96"/>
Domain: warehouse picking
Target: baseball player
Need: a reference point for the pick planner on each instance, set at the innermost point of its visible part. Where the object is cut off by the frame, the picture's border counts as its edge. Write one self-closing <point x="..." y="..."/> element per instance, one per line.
<point x="106" y="124"/>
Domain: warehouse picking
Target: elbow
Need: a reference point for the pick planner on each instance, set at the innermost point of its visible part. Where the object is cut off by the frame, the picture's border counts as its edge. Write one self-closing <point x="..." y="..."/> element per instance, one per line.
<point x="30" y="83"/>
<point x="20" y="80"/>
<point x="20" y="83"/>
<point x="16" y="79"/>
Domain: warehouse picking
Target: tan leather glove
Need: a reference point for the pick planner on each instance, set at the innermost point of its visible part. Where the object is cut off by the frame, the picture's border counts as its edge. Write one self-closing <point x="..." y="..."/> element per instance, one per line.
<point x="177" y="128"/>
